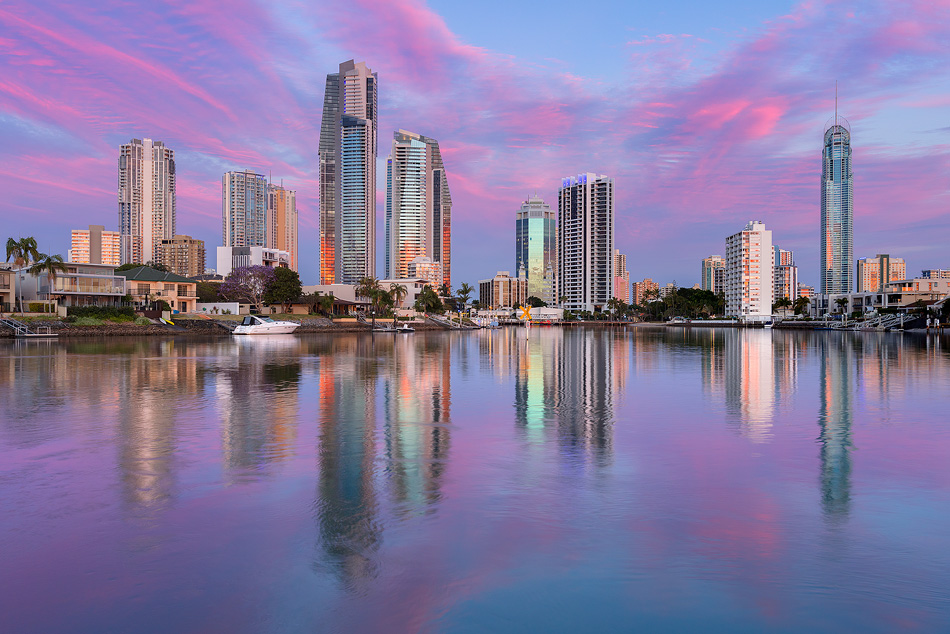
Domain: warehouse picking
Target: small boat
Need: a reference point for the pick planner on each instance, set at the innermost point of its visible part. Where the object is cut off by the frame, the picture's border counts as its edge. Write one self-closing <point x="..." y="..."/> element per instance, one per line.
<point x="405" y="328"/>
<point x="257" y="325"/>
<point x="768" y="324"/>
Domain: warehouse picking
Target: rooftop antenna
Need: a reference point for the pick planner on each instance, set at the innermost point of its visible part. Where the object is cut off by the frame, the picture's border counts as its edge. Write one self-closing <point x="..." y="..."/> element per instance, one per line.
<point x="836" y="103"/>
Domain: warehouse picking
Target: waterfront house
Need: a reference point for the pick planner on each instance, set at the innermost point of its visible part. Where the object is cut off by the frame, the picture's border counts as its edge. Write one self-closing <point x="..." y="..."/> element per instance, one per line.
<point x="145" y="285"/>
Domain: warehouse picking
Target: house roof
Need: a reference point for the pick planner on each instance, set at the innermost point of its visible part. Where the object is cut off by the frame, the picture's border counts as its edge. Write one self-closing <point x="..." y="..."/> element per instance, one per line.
<point x="148" y="274"/>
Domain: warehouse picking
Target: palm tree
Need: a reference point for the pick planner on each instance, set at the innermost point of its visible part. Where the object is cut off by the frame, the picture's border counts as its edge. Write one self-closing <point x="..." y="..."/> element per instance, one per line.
<point x="23" y="251"/>
<point x="783" y="303"/>
<point x="613" y="304"/>
<point x="841" y="302"/>
<point x="428" y="301"/>
<point x="801" y="304"/>
<point x="368" y="287"/>
<point x="444" y="290"/>
<point x="398" y="292"/>
<point x="464" y="292"/>
<point x="50" y="266"/>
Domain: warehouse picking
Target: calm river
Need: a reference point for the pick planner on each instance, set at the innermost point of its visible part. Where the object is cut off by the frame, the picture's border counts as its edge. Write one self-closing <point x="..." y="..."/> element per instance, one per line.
<point x="568" y="481"/>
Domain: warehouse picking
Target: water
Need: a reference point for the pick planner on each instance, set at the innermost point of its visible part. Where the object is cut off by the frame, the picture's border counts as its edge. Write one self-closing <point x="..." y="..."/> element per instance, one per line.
<point x="573" y="480"/>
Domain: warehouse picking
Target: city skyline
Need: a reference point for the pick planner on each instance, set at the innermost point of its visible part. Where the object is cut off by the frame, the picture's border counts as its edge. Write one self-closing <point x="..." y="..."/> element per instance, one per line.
<point x="684" y="104"/>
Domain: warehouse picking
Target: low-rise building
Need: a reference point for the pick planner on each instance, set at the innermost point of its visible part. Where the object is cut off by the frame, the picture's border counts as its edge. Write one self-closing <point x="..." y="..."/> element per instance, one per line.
<point x="502" y="291"/>
<point x="146" y="285"/>
<point x="424" y="268"/>
<point x="7" y="286"/>
<point x="80" y="285"/>
<point x="230" y="258"/>
<point x="900" y="294"/>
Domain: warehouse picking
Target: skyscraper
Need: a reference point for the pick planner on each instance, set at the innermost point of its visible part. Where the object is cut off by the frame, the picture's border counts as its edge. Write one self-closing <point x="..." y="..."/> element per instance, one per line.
<point x="713" y="274"/>
<point x="146" y="198"/>
<point x="244" y="209"/>
<point x="749" y="275"/>
<point x="95" y="245"/>
<point x="282" y="221"/>
<point x="418" y="206"/>
<point x="536" y="248"/>
<point x="586" y="241"/>
<point x="837" y="213"/>
<point x="182" y="255"/>
<point x="873" y="273"/>
<point x="785" y="275"/>
<point x="621" y="277"/>
<point x="348" y="175"/>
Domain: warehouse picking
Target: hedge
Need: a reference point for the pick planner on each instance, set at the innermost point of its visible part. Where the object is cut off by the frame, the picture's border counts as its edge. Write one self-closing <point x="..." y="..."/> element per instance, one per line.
<point x="101" y="312"/>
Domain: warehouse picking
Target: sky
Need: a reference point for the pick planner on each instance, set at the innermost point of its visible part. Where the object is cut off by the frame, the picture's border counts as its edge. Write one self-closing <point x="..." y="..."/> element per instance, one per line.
<point x="707" y="115"/>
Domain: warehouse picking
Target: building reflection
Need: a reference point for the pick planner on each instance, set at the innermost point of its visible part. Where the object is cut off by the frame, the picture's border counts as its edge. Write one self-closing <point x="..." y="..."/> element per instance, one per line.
<point x="148" y="421"/>
<point x="346" y="506"/>
<point x="536" y="380"/>
<point x="583" y="399"/>
<point x="836" y="391"/>
<point x="751" y="382"/>
<point x="417" y="401"/>
<point x="258" y="393"/>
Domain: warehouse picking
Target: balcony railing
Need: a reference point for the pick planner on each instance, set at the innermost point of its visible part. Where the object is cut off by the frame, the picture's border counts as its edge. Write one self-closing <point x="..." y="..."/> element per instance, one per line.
<point x="134" y="292"/>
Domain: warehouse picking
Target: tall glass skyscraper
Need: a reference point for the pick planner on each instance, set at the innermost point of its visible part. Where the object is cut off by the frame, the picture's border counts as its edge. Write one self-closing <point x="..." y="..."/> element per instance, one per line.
<point x="418" y="206"/>
<point x="348" y="175"/>
<point x="837" y="212"/>
<point x="535" y="248"/>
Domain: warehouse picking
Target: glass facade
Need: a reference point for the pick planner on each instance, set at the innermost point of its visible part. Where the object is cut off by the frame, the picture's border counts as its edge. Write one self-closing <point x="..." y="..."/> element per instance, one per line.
<point x="837" y="213"/>
<point x="535" y="248"/>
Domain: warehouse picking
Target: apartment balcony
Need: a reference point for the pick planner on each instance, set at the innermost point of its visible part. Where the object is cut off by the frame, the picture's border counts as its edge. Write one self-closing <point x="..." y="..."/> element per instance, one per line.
<point x="78" y="284"/>
<point x="134" y="292"/>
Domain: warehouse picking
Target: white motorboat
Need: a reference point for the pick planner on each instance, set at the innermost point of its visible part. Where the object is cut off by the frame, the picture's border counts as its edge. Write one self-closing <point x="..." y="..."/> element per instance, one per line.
<point x="257" y="325"/>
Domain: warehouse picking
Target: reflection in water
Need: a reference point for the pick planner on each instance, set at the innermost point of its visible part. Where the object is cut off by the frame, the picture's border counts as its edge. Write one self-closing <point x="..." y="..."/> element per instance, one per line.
<point x="583" y="399"/>
<point x="751" y="382"/>
<point x="346" y="504"/>
<point x="418" y="404"/>
<point x="258" y="393"/>
<point x="834" y="418"/>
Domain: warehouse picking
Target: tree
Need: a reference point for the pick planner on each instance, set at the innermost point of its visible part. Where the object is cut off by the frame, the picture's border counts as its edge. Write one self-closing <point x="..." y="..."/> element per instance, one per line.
<point x="398" y="293"/>
<point x="368" y="287"/>
<point x="561" y="300"/>
<point x="782" y="303"/>
<point x="428" y="301"/>
<point x="841" y="302"/>
<point x="464" y="292"/>
<point x="284" y="289"/>
<point x="444" y="290"/>
<point x="248" y="284"/>
<point x="157" y="266"/>
<point x="801" y="305"/>
<point x="207" y="292"/>
<point x="536" y="302"/>
<point x="23" y="251"/>
<point x="128" y="266"/>
<point x="613" y="304"/>
<point x="318" y="303"/>
<point x="50" y="266"/>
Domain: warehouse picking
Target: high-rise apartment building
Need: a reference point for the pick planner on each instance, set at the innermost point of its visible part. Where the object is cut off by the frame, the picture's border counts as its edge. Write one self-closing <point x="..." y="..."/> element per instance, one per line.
<point x="586" y="242"/>
<point x="713" y="274"/>
<point x="837" y="210"/>
<point x="873" y="273"/>
<point x="182" y="255"/>
<point x="425" y="269"/>
<point x="536" y="248"/>
<point x="244" y="209"/>
<point x="348" y="175"/>
<point x="146" y="198"/>
<point x="621" y="277"/>
<point x="418" y="206"/>
<point x="639" y="290"/>
<point x="749" y="276"/>
<point x="934" y="274"/>
<point x="282" y="221"/>
<point x="785" y="275"/>
<point x="95" y="245"/>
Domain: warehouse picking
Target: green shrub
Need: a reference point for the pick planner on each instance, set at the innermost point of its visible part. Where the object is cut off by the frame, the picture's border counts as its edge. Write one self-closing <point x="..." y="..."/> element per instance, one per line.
<point x="100" y="312"/>
<point x="143" y="321"/>
<point x="88" y="321"/>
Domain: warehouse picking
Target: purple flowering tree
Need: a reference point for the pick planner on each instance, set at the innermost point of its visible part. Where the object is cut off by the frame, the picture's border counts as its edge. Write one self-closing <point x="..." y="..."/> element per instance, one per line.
<point x="248" y="285"/>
